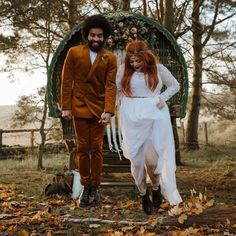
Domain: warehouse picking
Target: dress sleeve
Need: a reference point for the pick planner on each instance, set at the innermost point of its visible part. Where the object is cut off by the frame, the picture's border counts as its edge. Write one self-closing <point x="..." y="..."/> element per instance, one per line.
<point x="172" y="85"/>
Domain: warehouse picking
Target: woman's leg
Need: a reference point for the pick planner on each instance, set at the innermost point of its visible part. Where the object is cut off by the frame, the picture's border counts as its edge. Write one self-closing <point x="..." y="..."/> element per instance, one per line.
<point x="151" y="160"/>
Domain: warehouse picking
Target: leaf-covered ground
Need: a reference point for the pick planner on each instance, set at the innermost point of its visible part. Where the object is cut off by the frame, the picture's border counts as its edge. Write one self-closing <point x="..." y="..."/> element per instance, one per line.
<point x="206" y="181"/>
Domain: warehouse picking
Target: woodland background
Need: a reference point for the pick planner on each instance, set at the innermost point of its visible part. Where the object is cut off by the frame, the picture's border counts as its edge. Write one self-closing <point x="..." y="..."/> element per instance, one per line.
<point x="30" y="32"/>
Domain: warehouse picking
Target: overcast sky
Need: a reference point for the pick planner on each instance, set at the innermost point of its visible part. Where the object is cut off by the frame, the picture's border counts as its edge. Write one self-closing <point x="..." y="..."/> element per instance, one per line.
<point x="23" y="84"/>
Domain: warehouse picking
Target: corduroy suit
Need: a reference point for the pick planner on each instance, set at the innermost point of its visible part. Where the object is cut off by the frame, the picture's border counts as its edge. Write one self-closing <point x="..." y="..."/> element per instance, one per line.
<point x="88" y="90"/>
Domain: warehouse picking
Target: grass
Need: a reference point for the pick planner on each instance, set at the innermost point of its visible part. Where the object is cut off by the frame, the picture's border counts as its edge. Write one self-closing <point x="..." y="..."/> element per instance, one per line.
<point x="211" y="171"/>
<point x="199" y="167"/>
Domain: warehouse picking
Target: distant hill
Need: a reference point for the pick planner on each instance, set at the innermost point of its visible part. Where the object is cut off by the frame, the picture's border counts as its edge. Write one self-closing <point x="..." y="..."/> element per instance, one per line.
<point x="6" y="114"/>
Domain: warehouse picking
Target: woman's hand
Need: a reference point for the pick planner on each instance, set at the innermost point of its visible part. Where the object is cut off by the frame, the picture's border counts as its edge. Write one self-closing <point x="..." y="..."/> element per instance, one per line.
<point x="161" y="104"/>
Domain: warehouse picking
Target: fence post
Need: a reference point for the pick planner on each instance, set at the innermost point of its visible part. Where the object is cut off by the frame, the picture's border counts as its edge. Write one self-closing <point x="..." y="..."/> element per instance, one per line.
<point x="32" y="141"/>
<point x="1" y="138"/>
<point x="183" y="131"/>
<point x="206" y="133"/>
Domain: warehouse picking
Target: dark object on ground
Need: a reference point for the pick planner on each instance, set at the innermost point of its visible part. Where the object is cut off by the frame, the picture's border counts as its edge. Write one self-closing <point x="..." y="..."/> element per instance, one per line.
<point x="62" y="185"/>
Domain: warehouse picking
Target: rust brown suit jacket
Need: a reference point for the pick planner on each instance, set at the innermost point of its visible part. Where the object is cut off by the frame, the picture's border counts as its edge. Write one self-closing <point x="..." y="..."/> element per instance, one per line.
<point x="88" y="89"/>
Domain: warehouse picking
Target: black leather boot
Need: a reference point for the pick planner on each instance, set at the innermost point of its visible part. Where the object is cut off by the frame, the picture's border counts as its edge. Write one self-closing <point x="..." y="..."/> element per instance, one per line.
<point x="95" y="196"/>
<point x="156" y="197"/>
<point x="84" y="198"/>
<point x="147" y="204"/>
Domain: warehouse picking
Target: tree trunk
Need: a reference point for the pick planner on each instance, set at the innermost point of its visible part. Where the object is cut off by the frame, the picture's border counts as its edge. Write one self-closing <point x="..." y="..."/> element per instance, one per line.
<point x="72" y="14"/>
<point x="211" y="216"/>
<point x="192" y="123"/>
<point x="145" y="7"/>
<point x="42" y="134"/>
<point x="169" y="16"/>
<point x="168" y="24"/>
<point x="176" y="137"/>
<point x="126" y="5"/>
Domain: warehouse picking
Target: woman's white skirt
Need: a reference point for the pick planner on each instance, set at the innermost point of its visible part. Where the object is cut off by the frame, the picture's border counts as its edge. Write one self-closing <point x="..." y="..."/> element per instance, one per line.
<point x="140" y="119"/>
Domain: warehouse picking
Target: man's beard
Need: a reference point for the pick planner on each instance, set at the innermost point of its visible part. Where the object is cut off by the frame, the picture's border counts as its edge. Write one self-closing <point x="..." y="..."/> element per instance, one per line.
<point x="97" y="47"/>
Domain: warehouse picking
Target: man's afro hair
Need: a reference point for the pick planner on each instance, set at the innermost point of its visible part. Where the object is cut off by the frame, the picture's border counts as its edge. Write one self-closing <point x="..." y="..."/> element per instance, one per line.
<point x="96" y="21"/>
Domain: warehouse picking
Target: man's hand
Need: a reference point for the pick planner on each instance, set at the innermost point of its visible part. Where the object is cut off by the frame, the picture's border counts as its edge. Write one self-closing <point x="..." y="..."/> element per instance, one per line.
<point x="105" y="118"/>
<point x="67" y="114"/>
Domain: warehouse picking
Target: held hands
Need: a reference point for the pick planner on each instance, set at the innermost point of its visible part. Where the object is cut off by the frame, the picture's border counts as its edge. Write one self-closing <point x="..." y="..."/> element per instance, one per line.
<point x="67" y="114"/>
<point x="105" y="118"/>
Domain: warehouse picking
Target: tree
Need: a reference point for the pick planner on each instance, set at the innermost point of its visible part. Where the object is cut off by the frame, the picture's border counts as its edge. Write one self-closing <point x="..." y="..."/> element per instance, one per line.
<point x="201" y="36"/>
<point x="39" y="30"/>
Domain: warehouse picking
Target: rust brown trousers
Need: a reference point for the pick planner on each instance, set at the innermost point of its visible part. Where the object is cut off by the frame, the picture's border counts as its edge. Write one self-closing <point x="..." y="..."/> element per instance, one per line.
<point x="89" y="149"/>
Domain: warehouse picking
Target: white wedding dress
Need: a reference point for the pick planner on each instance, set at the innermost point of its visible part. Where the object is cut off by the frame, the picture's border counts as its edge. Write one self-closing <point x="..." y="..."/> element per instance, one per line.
<point x="141" y="120"/>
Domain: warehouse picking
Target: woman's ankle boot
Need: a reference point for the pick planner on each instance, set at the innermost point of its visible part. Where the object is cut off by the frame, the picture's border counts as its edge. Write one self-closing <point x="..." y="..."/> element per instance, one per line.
<point x="147" y="204"/>
<point x="156" y="197"/>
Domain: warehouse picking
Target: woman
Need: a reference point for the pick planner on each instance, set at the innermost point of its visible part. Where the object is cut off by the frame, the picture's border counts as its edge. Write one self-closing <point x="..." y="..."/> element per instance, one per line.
<point x="146" y="129"/>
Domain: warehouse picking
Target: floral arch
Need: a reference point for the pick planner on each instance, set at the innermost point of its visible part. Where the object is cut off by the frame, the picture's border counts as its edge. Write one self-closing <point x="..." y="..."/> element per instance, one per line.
<point x="126" y="27"/>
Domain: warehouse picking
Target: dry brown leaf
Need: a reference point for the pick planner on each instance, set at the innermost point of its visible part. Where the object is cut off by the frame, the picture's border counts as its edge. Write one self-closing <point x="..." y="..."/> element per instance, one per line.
<point x="200" y="196"/>
<point x="11" y="229"/>
<point x="129" y="204"/>
<point x="191" y="231"/>
<point x="199" y="211"/>
<point x="142" y="230"/>
<point x="49" y="233"/>
<point x="210" y="203"/>
<point x="228" y="222"/>
<point x="182" y="218"/>
<point x="190" y="204"/>
<point x="176" y="210"/>
<point x="170" y="213"/>
<point x="24" y="233"/>
<point x="118" y="233"/>
<point x="127" y="228"/>
<point x="4" y="195"/>
<point x="153" y="222"/>
<point x="150" y="234"/>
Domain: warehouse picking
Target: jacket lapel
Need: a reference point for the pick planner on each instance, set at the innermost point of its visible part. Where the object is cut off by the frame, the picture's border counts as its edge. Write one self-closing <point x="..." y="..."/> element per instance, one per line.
<point x="87" y="61"/>
<point x="100" y="56"/>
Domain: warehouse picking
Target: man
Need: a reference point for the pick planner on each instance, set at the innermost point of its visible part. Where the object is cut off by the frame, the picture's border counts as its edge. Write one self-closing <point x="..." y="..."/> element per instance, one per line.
<point x="88" y="94"/>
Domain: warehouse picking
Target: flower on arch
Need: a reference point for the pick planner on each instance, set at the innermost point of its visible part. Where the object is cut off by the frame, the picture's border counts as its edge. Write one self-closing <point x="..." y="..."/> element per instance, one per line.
<point x="126" y="30"/>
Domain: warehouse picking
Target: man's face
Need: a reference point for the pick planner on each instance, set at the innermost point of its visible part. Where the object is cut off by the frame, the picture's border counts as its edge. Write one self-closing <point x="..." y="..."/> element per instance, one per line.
<point x="95" y="39"/>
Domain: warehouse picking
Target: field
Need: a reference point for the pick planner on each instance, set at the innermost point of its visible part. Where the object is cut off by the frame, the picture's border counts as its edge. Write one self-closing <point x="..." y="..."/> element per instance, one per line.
<point x="206" y="181"/>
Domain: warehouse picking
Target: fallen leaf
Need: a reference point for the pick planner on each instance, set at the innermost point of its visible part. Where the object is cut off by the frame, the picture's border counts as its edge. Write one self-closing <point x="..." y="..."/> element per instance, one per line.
<point x="200" y="196"/>
<point x="210" y="203"/>
<point x="127" y="228"/>
<point x="182" y="218"/>
<point x="228" y="222"/>
<point x="49" y="233"/>
<point x="23" y="233"/>
<point x="176" y="210"/>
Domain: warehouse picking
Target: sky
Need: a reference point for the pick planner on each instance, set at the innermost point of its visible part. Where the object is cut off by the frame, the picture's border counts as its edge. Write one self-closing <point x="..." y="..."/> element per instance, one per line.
<point x="23" y="84"/>
<point x="16" y="83"/>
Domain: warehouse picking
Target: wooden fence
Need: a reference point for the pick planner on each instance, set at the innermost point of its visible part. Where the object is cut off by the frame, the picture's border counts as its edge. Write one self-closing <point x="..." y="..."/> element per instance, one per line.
<point x="31" y="131"/>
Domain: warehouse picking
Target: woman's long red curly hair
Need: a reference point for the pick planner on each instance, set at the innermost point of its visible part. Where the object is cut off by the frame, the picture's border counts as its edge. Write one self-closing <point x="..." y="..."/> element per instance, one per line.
<point x="149" y="68"/>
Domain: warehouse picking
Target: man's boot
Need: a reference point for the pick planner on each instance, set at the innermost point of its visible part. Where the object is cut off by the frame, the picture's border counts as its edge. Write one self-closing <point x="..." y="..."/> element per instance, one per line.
<point x="156" y="197"/>
<point x="147" y="204"/>
<point x="95" y="196"/>
<point x="84" y="198"/>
